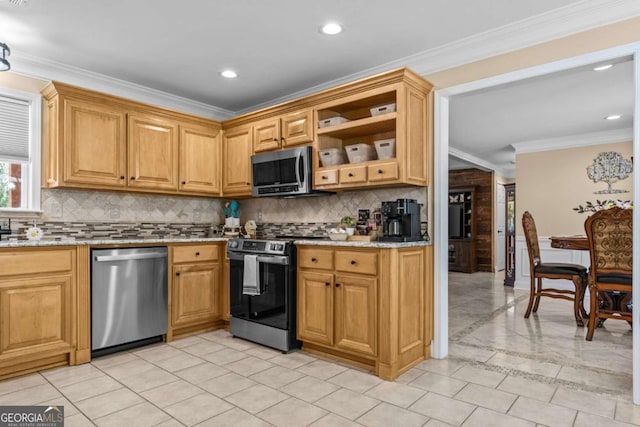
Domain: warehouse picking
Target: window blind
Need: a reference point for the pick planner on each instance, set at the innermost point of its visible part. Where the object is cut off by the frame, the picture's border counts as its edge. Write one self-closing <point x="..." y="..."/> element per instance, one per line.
<point x="14" y="130"/>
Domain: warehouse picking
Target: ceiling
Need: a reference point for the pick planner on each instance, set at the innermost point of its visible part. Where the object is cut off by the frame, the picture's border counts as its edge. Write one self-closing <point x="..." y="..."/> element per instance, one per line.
<point x="554" y="110"/>
<point x="170" y="53"/>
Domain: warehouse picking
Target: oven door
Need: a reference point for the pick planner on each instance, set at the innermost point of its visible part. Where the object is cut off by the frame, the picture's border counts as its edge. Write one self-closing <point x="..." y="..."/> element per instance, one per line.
<point x="274" y="278"/>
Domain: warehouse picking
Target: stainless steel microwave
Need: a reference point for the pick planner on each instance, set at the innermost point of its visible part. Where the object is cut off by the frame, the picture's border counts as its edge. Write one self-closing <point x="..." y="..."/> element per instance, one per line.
<point x="285" y="173"/>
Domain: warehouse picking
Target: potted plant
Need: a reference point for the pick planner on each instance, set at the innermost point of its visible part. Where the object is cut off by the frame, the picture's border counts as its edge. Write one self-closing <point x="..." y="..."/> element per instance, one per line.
<point x="349" y="224"/>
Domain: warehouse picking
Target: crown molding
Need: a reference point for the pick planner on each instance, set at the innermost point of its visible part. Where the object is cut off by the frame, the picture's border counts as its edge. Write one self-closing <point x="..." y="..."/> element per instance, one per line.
<point x="560" y="22"/>
<point x="573" y="141"/>
<point x="481" y="163"/>
<point x="45" y="69"/>
<point x="557" y="23"/>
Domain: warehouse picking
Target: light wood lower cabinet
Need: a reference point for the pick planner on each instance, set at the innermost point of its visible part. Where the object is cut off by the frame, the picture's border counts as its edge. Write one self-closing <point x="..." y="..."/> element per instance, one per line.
<point x="369" y="307"/>
<point x="195" y="287"/>
<point x="38" y="305"/>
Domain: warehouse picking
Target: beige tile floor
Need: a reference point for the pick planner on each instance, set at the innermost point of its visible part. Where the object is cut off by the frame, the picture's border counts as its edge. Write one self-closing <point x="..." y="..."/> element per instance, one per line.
<point x="502" y="370"/>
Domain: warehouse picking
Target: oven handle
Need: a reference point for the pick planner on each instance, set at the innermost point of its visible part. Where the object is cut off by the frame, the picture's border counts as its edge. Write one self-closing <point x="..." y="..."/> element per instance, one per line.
<point x="266" y="259"/>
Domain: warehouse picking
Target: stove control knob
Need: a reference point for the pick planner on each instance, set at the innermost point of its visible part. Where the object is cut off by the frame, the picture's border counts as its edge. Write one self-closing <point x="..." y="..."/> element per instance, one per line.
<point x="232" y="244"/>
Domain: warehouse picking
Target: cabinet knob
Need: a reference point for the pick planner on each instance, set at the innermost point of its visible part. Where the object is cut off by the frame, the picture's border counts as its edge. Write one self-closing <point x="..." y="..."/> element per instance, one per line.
<point x="248" y="183"/>
<point x="337" y="285"/>
<point x="350" y="174"/>
<point x="122" y="177"/>
<point x="184" y="182"/>
<point x="327" y="284"/>
<point x="353" y="262"/>
<point x="379" y="170"/>
<point x="197" y="253"/>
<point x="313" y="260"/>
<point x="132" y="178"/>
<point x="324" y="177"/>
<point x="275" y="139"/>
<point x="178" y="273"/>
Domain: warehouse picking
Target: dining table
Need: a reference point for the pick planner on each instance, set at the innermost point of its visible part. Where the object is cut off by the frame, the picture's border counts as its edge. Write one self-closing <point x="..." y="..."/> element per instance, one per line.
<point x="576" y="242"/>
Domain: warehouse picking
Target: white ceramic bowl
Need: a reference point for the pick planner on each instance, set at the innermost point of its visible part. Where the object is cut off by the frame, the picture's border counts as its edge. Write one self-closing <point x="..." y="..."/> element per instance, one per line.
<point x="338" y="236"/>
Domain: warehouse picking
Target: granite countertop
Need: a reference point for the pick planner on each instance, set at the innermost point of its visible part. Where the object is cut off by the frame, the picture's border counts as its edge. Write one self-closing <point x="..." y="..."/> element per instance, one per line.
<point x="149" y="241"/>
<point x="96" y="242"/>
<point x="361" y="244"/>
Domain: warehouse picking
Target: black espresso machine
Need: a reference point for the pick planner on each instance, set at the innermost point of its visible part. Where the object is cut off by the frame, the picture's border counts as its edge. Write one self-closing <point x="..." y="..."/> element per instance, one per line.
<point x="400" y="221"/>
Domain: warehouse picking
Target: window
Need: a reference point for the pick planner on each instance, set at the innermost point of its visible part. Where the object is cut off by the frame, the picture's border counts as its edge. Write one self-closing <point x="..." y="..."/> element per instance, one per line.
<point x="19" y="150"/>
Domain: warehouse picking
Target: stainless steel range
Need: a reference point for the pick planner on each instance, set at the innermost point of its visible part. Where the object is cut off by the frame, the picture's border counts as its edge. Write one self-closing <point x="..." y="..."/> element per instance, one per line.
<point x="263" y="292"/>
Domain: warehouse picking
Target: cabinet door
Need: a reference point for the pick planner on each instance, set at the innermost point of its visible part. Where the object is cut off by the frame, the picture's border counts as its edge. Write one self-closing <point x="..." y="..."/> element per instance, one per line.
<point x="195" y="294"/>
<point x="200" y="150"/>
<point x="153" y="152"/>
<point x="315" y="307"/>
<point x="355" y="314"/>
<point x="236" y="159"/>
<point x="266" y="135"/>
<point x="94" y="144"/>
<point x="35" y="314"/>
<point x="297" y="128"/>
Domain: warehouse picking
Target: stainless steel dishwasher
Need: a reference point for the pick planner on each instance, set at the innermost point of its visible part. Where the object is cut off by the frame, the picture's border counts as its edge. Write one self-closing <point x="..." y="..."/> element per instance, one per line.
<point x="128" y="296"/>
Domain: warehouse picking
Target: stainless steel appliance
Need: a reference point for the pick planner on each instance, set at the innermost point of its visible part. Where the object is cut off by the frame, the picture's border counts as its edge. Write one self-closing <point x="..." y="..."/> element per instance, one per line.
<point x="263" y="292"/>
<point x="285" y="173"/>
<point x="401" y="221"/>
<point x="128" y="297"/>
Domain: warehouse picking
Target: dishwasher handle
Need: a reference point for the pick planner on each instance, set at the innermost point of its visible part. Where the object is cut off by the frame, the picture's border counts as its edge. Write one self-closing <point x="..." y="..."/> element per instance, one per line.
<point x="150" y="255"/>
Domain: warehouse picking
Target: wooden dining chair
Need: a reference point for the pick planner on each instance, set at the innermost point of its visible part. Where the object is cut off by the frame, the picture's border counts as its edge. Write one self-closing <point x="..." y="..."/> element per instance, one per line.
<point x="610" y="235"/>
<point x="539" y="270"/>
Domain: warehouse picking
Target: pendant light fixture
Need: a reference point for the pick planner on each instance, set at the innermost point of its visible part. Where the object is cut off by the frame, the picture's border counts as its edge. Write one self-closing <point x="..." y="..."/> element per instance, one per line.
<point x="4" y="52"/>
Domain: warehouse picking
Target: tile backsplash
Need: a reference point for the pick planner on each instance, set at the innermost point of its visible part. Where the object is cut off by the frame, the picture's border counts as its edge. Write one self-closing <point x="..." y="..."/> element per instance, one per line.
<point x="111" y="206"/>
<point x="63" y="205"/>
<point x="85" y="214"/>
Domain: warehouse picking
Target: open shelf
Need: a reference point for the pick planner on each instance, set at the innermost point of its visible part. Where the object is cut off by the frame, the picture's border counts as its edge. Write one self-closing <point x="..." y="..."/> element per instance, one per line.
<point x="362" y="127"/>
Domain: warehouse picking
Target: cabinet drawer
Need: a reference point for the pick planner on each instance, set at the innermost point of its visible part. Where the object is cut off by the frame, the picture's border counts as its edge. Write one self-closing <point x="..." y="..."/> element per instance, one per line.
<point x="35" y="262"/>
<point x="316" y="258"/>
<point x="383" y="172"/>
<point x="357" y="262"/>
<point x="326" y="177"/>
<point x="353" y="174"/>
<point x="195" y="253"/>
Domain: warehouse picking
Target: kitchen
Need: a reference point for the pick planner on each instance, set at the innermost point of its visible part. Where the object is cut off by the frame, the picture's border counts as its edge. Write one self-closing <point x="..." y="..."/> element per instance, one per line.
<point x="118" y="208"/>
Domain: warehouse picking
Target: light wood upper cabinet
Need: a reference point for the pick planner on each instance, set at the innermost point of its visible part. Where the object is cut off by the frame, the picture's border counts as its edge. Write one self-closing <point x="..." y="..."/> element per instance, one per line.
<point x="95" y="142"/>
<point x="237" y="147"/>
<point x="297" y="128"/>
<point x="394" y="118"/>
<point x="283" y="132"/>
<point x="266" y="135"/>
<point x="99" y="141"/>
<point x="153" y="152"/>
<point x="200" y="151"/>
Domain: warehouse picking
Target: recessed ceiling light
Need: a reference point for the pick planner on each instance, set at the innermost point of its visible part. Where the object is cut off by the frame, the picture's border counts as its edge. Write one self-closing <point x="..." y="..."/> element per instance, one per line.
<point x="331" y="29"/>
<point x="613" y="117"/>
<point x="602" y="67"/>
<point x="229" y="74"/>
